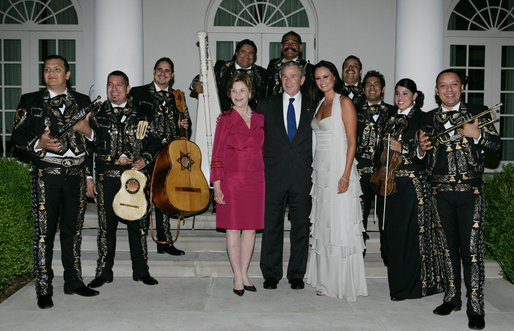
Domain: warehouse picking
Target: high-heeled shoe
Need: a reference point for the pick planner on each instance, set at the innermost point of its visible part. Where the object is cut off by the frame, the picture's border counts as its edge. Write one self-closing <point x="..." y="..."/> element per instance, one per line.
<point x="250" y="288"/>
<point x="239" y="292"/>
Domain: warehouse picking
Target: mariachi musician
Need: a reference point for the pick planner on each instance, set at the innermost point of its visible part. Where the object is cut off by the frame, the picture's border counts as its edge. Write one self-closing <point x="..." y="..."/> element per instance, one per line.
<point x="160" y="100"/>
<point x="58" y="176"/>
<point x="455" y="165"/>
<point x="115" y="137"/>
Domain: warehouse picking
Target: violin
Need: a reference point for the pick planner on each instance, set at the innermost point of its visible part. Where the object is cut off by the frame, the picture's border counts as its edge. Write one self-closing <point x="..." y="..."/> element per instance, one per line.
<point x="383" y="179"/>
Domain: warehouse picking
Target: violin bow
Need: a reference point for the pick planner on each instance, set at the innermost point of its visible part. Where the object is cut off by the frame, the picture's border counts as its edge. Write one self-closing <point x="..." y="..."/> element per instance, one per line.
<point x="385" y="185"/>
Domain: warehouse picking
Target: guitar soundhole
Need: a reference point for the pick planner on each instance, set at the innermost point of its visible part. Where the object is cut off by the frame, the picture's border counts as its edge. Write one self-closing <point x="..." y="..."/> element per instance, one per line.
<point x="132" y="185"/>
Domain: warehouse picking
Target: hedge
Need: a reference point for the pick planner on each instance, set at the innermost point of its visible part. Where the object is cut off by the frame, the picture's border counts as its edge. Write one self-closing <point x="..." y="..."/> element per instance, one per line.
<point x="499" y="220"/>
<point x="16" y="231"/>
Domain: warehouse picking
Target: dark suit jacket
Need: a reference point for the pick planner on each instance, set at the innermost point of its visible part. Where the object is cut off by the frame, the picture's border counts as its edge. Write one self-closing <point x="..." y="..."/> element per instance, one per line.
<point x="288" y="166"/>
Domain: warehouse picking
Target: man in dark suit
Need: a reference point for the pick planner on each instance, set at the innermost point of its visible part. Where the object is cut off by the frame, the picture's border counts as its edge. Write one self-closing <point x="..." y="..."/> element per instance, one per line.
<point x="58" y="175"/>
<point x="291" y="48"/>
<point x="288" y="160"/>
<point x="455" y="165"/>
<point x="243" y="60"/>
<point x="160" y="100"/>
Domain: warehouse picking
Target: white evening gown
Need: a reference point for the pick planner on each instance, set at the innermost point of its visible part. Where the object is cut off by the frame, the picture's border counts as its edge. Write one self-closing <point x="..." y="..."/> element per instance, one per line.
<point x="336" y="264"/>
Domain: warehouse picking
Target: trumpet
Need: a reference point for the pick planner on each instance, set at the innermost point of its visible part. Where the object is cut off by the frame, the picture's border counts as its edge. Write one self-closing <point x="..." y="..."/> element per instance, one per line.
<point x="493" y="111"/>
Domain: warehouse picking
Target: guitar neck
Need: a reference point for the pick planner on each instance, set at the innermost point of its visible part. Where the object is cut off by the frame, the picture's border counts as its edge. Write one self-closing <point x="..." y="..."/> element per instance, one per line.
<point x="137" y="149"/>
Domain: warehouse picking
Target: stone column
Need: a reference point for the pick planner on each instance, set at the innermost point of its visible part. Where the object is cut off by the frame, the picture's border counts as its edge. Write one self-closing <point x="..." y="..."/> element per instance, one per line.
<point x="118" y="41"/>
<point x="420" y="30"/>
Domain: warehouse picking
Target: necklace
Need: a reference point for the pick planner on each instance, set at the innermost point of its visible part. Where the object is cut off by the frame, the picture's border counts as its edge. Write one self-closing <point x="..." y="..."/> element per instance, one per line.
<point x="247" y="116"/>
<point x="327" y="101"/>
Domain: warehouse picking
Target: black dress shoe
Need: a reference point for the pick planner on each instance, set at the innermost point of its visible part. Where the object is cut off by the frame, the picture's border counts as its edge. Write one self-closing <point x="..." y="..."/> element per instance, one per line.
<point x="147" y="280"/>
<point x="170" y="249"/>
<point x="239" y="292"/>
<point x="250" y="288"/>
<point x="45" y="301"/>
<point x="397" y="299"/>
<point x="297" y="284"/>
<point x="270" y="284"/>
<point x="97" y="282"/>
<point x="445" y="309"/>
<point x="83" y="291"/>
<point x="476" y="322"/>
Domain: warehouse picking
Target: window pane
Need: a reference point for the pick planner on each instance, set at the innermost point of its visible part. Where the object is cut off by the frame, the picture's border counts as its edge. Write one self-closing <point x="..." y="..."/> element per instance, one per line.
<point x="12" y="97"/>
<point x="508" y="103"/>
<point x="476" y="56"/>
<point x="67" y="49"/>
<point x="458" y="55"/>
<point x="46" y="47"/>
<point x="12" y="49"/>
<point x="507" y="150"/>
<point x="224" y="50"/>
<point x="12" y="74"/>
<point x="508" y="56"/>
<point x="476" y="79"/>
<point x="476" y="98"/>
<point x="41" y="78"/>
<point x="507" y="83"/>
<point x="73" y="70"/>
<point x="9" y="121"/>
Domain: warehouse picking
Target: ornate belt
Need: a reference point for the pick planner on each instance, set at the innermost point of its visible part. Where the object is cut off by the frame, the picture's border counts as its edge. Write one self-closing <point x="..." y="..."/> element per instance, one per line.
<point x="64" y="161"/>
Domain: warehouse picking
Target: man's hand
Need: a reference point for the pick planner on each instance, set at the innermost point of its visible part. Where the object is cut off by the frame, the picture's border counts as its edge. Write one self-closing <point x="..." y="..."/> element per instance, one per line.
<point x="198" y="87"/>
<point x="139" y="164"/>
<point x="470" y="130"/>
<point x="48" y="143"/>
<point x="424" y="144"/>
<point x="83" y="127"/>
<point x="91" y="188"/>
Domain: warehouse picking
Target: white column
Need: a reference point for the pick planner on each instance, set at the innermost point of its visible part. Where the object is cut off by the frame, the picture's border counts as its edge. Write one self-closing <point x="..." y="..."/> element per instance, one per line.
<point x="419" y="44"/>
<point x="118" y="41"/>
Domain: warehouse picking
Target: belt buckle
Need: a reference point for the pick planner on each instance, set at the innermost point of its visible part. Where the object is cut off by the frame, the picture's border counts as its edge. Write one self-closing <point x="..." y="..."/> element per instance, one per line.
<point x="67" y="162"/>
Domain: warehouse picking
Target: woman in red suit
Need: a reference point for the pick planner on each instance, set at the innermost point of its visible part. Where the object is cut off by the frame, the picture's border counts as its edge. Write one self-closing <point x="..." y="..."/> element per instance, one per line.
<point x="237" y="175"/>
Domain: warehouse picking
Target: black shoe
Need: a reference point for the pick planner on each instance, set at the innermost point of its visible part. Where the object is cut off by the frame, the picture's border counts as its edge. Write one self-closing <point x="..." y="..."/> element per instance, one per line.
<point x="45" y="301"/>
<point x="97" y="282"/>
<point x="445" y="309"/>
<point x="270" y="284"/>
<point x="250" y="288"/>
<point x="397" y="299"/>
<point x="83" y="291"/>
<point x="239" y="292"/>
<point x="476" y="322"/>
<point x="297" y="284"/>
<point x="147" y="280"/>
<point x="170" y="249"/>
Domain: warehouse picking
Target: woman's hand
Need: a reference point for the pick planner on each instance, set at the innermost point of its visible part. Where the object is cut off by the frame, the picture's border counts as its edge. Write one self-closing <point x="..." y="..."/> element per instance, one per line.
<point x="395" y="145"/>
<point x="219" y="197"/>
<point x="342" y="185"/>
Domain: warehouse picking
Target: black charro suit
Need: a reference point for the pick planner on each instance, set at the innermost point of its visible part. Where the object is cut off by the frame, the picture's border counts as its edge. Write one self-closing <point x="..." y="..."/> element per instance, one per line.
<point x="288" y="168"/>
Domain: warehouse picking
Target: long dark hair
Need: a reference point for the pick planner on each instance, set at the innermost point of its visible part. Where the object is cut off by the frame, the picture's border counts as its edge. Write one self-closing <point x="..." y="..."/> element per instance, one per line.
<point x="411" y="86"/>
<point x="315" y="93"/>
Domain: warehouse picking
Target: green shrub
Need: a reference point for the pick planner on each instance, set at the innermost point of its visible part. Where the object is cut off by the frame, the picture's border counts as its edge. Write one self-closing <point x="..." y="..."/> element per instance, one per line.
<point x="16" y="231"/>
<point x="499" y="219"/>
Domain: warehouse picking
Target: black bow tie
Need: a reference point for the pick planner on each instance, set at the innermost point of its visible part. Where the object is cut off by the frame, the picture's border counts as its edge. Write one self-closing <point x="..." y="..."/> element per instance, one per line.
<point x="163" y="96"/>
<point x="452" y="116"/>
<point x="121" y="110"/>
<point x="352" y="89"/>
<point x="58" y="100"/>
<point x="374" y="109"/>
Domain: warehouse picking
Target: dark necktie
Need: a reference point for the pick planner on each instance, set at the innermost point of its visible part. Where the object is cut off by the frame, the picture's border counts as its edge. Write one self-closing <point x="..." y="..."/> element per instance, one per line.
<point x="291" y="120"/>
<point x="121" y="110"/>
<point x="58" y="100"/>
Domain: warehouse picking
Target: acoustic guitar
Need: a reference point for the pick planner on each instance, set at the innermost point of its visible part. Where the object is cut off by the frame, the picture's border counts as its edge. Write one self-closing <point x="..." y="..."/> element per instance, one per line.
<point x="179" y="187"/>
<point x="130" y="202"/>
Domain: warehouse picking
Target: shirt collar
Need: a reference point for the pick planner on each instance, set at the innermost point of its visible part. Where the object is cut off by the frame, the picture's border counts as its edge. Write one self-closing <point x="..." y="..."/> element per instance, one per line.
<point x="456" y="107"/>
<point x="157" y="88"/>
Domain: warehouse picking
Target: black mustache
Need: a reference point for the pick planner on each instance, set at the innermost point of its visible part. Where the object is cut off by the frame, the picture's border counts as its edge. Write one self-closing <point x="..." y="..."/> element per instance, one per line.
<point x="290" y="49"/>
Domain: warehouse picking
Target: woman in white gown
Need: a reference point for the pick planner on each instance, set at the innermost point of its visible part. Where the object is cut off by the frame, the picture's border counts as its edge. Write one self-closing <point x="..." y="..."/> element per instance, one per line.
<point x="336" y="262"/>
